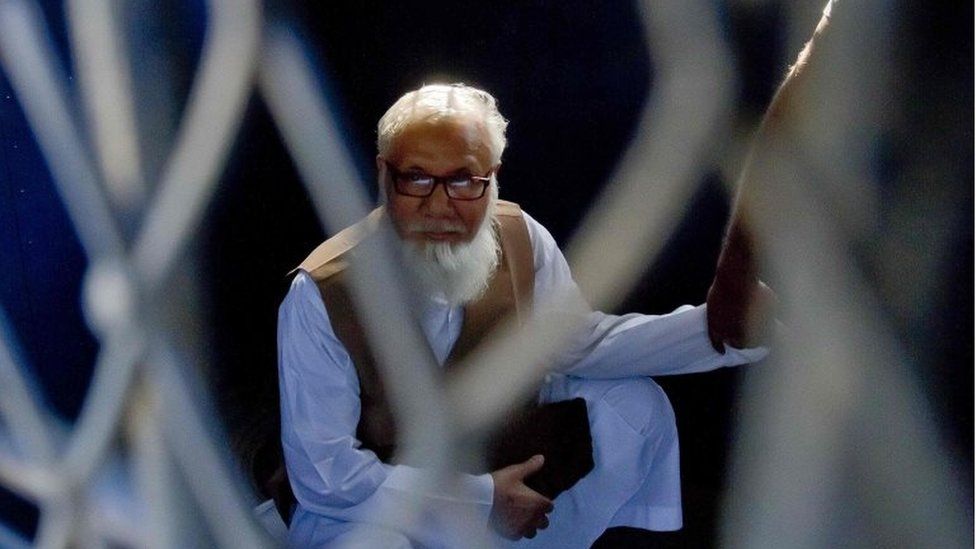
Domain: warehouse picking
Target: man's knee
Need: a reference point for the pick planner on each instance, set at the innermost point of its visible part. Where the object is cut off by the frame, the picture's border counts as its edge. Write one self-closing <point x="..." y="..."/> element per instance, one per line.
<point x="638" y="401"/>
<point x="363" y="537"/>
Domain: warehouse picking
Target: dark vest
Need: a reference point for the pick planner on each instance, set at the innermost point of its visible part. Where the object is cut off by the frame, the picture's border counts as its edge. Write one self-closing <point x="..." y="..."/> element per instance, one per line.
<point x="509" y="292"/>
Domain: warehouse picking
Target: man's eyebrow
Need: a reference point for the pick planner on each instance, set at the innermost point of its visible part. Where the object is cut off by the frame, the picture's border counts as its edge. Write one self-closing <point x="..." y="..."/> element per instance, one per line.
<point x="411" y="168"/>
<point x="463" y="170"/>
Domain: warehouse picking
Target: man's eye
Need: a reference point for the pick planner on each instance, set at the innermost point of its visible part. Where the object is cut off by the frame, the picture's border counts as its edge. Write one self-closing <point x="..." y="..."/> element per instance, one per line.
<point x="459" y="181"/>
<point x="418" y="178"/>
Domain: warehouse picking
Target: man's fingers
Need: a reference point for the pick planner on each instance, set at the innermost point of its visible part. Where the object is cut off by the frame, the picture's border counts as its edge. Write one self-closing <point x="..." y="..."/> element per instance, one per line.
<point x="716" y="342"/>
<point x="739" y="319"/>
<point x="530" y="465"/>
<point x="544" y="504"/>
<point x="541" y="524"/>
<point x="715" y="332"/>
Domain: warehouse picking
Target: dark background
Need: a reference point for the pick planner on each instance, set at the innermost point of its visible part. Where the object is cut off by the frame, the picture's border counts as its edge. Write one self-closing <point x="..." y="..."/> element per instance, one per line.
<point x="571" y="77"/>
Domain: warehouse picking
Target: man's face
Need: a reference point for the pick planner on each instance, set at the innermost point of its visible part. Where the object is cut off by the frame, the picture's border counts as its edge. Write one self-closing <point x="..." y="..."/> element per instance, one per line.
<point x="442" y="148"/>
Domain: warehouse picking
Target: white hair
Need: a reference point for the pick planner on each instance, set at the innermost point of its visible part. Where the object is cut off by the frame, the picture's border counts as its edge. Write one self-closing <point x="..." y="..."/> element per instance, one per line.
<point x="434" y="102"/>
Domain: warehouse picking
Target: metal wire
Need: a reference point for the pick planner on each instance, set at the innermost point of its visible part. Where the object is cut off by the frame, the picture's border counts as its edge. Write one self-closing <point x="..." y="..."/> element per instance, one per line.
<point x="840" y="374"/>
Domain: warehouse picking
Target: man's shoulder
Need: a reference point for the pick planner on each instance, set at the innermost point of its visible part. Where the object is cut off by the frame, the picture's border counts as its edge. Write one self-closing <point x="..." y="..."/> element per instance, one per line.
<point x="508" y="209"/>
<point x="330" y="257"/>
<point x="512" y="224"/>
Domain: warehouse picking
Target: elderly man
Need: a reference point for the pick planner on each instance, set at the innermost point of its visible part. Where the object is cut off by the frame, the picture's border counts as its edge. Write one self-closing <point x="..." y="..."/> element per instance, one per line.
<point x="473" y="256"/>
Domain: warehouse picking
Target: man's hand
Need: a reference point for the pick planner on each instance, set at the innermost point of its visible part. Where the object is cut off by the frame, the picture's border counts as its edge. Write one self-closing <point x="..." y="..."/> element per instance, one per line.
<point x="740" y="308"/>
<point x="517" y="511"/>
<point x="739" y="314"/>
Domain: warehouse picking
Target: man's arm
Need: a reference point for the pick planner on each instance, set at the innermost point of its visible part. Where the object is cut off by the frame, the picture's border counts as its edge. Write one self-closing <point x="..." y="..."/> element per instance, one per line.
<point x="611" y="346"/>
<point x="329" y="473"/>
<point x="741" y="307"/>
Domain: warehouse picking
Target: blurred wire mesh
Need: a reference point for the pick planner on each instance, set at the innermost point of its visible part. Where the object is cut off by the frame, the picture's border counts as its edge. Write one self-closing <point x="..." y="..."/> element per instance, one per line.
<point x="838" y="445"/>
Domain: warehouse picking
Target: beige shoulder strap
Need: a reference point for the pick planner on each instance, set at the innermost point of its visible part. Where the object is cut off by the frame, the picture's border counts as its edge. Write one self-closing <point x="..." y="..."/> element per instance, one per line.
<point x="510" y="289"/>
<point x="326" y="260"/>
<point x="517" y="246"/>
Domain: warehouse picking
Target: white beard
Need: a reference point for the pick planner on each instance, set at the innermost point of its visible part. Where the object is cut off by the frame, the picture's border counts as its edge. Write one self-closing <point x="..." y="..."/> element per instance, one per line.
<point x="458" y="271"/>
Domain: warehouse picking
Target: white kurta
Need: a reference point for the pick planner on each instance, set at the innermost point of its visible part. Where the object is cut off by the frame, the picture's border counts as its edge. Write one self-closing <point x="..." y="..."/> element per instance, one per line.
<point x="635" y="481"/>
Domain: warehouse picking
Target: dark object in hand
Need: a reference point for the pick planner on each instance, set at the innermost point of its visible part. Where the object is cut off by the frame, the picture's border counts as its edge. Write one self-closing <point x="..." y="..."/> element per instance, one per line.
<point x="560" y="431"/>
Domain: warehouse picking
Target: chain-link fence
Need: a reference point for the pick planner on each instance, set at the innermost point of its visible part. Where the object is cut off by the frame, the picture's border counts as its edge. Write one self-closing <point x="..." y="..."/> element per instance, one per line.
<point x="837" y="444"/>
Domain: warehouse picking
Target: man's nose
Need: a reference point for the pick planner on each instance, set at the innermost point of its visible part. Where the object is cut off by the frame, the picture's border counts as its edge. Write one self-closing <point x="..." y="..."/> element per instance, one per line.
<point x="438" y="202"/>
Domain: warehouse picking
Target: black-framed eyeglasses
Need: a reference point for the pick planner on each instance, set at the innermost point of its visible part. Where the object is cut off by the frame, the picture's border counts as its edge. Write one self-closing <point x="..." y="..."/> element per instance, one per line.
<point x="418" y="184"/>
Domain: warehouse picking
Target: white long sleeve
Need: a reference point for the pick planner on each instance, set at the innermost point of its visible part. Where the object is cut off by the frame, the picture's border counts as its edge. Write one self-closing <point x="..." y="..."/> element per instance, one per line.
<point x="334" y="479"/>
<point x="615" y="346"/>
<point x="337" y="482"/>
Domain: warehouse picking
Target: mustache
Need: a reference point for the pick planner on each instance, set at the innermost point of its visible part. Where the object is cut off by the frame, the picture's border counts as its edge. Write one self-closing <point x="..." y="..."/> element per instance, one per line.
<point x="435" y="226"/>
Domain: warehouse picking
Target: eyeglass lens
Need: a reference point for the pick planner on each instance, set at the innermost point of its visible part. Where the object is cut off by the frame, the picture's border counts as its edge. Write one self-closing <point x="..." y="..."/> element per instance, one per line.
<point x="461" y="186"/>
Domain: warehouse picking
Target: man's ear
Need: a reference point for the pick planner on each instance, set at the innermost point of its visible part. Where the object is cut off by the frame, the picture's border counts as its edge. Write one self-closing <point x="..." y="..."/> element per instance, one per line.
<point x="498" y="169"/>
<point x="380" y="179"/>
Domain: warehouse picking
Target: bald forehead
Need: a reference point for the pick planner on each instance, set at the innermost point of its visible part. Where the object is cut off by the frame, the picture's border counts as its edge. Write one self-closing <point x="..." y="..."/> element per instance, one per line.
<point x="445" y="140"/>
